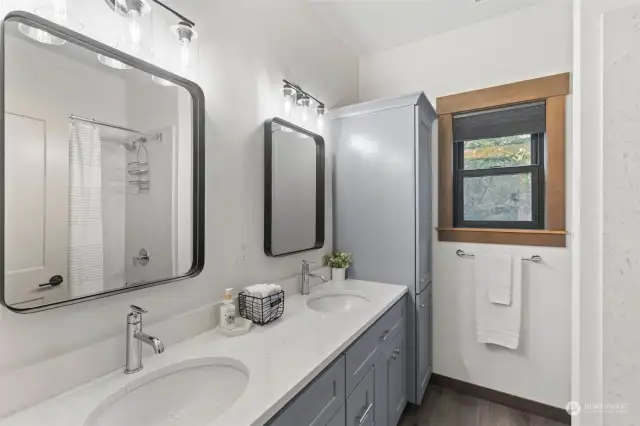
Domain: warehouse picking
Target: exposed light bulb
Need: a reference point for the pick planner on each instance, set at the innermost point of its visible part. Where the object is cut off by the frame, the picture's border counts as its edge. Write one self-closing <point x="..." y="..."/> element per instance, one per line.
<point x="321" y="111"/>
<point x="185" y="34"/>
<point x="289" y="94"/>
<point x="304" y="114"/>
<point x="185" y="56"/>
<point x="135" y="32"/>
<point x="304" y="102"/>
<point x="56" y="12"/>
<point x="40" y="35"/>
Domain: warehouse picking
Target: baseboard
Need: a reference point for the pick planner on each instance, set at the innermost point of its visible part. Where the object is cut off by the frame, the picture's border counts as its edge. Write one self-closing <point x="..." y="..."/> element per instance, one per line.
<point x="512" y="401"/>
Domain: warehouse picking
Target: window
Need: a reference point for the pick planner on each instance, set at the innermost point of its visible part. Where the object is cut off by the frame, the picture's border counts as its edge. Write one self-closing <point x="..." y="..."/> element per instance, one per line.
<point x="501" y="164"/>
<point x="499" y="177"/>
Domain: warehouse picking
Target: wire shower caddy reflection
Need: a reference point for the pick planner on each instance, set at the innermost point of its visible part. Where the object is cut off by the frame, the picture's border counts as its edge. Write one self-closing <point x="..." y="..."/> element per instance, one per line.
<point x="138" y="168"/>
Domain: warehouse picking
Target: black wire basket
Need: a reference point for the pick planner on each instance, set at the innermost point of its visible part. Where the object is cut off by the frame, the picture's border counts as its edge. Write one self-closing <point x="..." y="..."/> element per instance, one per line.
<point x="261" y="310"/>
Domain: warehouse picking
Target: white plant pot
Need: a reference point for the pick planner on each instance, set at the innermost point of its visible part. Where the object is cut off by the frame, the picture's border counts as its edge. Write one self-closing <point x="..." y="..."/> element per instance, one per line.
<point x="338" y="274"/>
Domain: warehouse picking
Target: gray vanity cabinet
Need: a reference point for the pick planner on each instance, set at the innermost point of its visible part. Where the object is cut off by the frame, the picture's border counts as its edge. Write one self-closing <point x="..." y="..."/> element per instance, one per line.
<point x="382" y="212"/>
<point x="424" y="324"/>
<point x="391" y="382"/>
<point x="318" y="403"/>
<point x="339" y="418"/>
<point x="361" y="403"/>
<point x="365" y="386"/>
<point x="362" y="355"/>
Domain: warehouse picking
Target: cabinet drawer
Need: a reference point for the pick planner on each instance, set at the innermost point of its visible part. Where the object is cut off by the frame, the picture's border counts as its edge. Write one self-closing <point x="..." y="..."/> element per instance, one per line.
<point x="361" y="356"/>
<point x="360" y="405"/>
<point x="317" y="404"/>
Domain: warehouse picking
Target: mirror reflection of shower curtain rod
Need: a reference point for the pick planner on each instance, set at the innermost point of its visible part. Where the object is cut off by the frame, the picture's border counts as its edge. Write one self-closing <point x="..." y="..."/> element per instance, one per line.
<point x="113" y="126"/>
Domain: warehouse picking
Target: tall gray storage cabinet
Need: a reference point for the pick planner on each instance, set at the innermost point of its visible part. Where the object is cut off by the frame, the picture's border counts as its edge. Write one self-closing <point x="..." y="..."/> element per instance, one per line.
<point x="382" y="210"/>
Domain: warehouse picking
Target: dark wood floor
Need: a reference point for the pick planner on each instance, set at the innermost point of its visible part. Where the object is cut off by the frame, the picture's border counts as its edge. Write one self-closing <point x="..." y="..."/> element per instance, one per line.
<point x="444" y="407"/>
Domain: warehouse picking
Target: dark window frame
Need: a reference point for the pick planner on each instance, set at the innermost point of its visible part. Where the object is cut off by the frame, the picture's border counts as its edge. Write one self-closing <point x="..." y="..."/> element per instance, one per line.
<point x="536" y="169"/>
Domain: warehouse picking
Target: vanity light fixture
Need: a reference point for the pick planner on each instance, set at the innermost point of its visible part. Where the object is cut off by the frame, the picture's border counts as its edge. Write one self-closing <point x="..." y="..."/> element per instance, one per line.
<point x="56" y="12"/>
<point x="186" y="34"/>
<point x="134" y="10"/>
<point x="304" y="101"/>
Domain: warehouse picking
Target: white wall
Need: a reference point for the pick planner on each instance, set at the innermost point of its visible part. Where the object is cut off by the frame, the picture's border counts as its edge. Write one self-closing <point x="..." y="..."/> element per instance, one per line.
<point x="533" y="42"/>
<point x="605" y="360"/>
<point x="246" y="47"/>
<point x="608" y="345"/>
<point x="621" y="179"/>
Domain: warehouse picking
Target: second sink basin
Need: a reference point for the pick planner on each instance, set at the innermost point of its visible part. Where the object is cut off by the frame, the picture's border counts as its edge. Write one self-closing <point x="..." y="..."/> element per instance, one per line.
<point x="190" y="393"/>
<point x="336" y="302"/>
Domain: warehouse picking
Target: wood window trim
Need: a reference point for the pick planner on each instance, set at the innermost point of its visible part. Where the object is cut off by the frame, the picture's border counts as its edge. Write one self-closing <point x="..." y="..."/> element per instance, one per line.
<point x="553" y="90"/>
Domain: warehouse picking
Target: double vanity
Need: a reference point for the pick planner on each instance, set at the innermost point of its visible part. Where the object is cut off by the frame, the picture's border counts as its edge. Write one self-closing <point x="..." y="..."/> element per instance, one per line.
<point x="126" y="142"/>
<point x="336" y="357"/>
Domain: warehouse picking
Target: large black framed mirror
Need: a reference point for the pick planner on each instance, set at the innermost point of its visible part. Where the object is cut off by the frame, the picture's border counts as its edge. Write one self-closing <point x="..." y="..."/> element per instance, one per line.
<point x="103" y="169"/>
<point x="294" y="191"/>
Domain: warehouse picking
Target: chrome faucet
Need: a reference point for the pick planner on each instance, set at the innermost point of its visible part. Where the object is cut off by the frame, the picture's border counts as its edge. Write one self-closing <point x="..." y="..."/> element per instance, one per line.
<point x="306" y="275"/>
<point x="135" y="338"/>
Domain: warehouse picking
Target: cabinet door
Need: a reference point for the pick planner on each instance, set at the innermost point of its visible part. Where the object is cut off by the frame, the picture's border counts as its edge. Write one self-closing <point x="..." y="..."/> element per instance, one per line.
<point x="424" y="330"/>
<point x="318" y="403"/>
<point x="340" y="418"/>
<point x="423" y="202"/>
<point x="396" y="369"/>
<point x="361" y="403"/>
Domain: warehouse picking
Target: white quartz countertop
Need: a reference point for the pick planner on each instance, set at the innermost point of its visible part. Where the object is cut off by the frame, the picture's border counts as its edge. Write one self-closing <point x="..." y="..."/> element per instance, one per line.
<point x="282" y="358"/>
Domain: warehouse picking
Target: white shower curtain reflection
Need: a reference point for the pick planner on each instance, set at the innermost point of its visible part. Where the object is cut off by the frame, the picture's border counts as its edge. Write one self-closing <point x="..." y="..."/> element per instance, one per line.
<point x="86" y="248"/>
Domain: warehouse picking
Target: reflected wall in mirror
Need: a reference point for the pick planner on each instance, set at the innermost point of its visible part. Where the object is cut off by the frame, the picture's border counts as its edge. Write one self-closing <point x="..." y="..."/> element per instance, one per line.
<point x="294" y="189"/>
<point x="103" y="176"/>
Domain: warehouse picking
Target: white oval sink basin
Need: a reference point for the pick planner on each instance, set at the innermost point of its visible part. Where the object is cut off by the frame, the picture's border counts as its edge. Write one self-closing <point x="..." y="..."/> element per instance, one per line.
<point x="191" y="393"/>
<point x="336" y="302"/>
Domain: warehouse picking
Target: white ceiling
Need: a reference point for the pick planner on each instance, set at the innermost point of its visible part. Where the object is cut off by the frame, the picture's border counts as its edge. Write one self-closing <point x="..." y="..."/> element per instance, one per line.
<point x="369" y="26"/>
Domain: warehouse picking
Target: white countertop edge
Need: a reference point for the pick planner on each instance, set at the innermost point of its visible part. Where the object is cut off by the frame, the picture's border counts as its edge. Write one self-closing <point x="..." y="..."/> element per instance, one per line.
<point x="75" y="406"/>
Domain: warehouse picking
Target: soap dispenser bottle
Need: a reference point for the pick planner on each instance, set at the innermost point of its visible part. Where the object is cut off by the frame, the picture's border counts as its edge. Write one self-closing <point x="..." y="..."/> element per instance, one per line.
<point x="228" y="311"/>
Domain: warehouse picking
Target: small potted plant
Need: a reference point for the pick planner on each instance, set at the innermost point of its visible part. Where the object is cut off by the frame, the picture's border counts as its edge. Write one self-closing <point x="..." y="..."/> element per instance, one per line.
<point x="339" y="261"/>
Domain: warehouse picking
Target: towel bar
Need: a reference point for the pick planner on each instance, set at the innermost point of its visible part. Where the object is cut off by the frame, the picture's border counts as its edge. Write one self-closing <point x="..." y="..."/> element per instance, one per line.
<point x="533" y="259"/>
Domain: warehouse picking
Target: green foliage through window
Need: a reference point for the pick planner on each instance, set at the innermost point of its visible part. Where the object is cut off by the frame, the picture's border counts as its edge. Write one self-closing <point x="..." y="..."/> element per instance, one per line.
<point x="500" y="197"/>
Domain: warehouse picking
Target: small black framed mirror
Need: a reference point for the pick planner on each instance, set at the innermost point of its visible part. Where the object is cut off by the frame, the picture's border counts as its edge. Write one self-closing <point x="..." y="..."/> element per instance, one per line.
<point x="294" y="189"/>
<point x="103" y="169"/>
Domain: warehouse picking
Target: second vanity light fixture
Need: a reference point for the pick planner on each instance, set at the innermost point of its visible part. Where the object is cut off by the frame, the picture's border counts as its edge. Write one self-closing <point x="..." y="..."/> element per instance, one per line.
<point x="294" y="96"/>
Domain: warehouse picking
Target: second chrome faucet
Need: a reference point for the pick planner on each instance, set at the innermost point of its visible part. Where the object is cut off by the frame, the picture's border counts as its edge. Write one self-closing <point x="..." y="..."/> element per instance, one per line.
<point x="135" y="338"/>
<point x="306" y="288"/>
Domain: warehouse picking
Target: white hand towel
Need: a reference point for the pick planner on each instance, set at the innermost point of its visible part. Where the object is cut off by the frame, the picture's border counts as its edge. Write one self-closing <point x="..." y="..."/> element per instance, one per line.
<point x="498" y="323"/>
<point x="495" y="273"/>
<point x="262" y="290"/>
